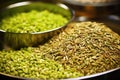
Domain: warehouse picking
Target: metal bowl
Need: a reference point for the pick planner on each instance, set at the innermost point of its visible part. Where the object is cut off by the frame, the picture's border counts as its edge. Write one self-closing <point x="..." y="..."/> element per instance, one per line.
<point x="18" y="40"/>
<point x="99" y="76"/>
<point x="92" y="3"/>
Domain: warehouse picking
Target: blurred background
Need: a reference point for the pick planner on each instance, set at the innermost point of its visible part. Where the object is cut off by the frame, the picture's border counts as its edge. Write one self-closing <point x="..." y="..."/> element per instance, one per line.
<point x="88" y="8"/>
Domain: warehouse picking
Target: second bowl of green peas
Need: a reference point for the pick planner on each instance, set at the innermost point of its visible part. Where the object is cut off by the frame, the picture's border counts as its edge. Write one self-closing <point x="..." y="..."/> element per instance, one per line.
<point x="29" y="23"/>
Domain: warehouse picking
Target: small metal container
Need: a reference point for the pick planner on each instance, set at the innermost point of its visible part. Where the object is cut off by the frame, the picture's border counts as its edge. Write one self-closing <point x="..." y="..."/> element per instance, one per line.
<point x="19" y="40"/>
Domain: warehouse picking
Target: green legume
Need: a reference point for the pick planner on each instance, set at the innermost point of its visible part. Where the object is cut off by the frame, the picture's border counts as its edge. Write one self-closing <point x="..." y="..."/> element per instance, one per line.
<point x="27" y="63"/>
<point x="33" y="21"/>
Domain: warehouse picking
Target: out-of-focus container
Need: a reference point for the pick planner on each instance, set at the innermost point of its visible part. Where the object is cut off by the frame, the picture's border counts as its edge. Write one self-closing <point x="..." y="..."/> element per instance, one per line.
<point x="105" y="11"/>
<point x="94" y="8"/>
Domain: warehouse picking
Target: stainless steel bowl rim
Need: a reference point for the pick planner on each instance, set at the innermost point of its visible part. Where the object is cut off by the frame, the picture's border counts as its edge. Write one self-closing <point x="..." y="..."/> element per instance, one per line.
<point x="90" y="4"/>
<point x="77" y="78"/>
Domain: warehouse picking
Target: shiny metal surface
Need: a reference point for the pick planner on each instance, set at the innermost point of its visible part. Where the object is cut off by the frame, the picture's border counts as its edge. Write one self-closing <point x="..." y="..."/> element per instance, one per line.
<point x="78" y="78"/>
<point x="94" y="75"/>
<point x="90" y="3"/>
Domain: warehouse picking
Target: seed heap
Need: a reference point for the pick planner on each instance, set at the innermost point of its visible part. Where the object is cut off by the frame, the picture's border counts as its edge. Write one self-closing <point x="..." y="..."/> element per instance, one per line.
<point x="81" y="49"/>
<point x="29" y="64"/>
<point x="89" y="47"/>
<point x="33" y="21"/>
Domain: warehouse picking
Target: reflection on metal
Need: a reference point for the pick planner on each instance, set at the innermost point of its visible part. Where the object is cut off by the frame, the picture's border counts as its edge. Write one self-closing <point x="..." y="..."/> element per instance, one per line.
<point x="82" y="18"/>
<point x="90" y="3"/>
<point x="63" y="6"/>
<point x="114" y="17"/>
<point x="94" y="75"/>
<point x="18" y="4"/>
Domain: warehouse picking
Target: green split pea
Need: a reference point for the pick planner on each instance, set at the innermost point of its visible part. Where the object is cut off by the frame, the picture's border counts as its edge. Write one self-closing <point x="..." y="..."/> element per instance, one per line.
<point x="33" y="21"/>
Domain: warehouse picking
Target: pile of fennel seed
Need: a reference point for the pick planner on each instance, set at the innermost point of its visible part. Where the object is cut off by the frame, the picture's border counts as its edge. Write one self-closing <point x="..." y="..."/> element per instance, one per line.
<point x="88" y="47"/>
